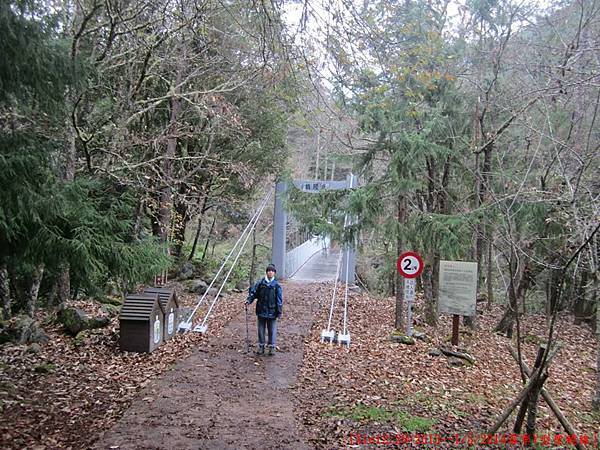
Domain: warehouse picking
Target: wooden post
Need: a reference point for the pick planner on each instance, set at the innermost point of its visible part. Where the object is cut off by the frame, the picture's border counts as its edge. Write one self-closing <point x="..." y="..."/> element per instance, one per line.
<point x="527" y="400"/>
<point x="550" y="401"/>
<point x="455" y="325"/>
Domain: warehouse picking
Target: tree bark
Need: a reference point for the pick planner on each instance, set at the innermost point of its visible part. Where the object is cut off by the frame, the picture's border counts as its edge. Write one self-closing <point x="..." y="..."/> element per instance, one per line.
<point x="5" y="291"/>
<point x="196" y="237"/>
<point x="212" y="227"/>
<point x="179" y="227"/>
<point x="63" y="284"/>
<point x="430" y="298"/>
<point x="489" y="281"/>
<point x="166" y="192"/>
<point x="401" y="213"/>
<point x="506" y="323"/>
<point x="526" y="405"/>
<point x="199" y="229"/>
<point x="34" y="289"/>
<point x="596" y="401"/>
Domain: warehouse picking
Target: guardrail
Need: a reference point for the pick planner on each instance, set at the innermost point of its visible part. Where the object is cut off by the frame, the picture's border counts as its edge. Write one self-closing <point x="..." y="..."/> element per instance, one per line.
<point x="295" y="258"/>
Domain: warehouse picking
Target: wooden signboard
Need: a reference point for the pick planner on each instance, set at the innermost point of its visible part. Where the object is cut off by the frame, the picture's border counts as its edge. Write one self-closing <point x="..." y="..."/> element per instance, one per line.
<point x="458" y="288"/>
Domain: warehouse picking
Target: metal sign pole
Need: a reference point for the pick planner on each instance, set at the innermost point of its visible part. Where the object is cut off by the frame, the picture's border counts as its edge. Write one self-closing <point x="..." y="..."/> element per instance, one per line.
<point x="409" y="265"/>
<point x="409" y="296"/>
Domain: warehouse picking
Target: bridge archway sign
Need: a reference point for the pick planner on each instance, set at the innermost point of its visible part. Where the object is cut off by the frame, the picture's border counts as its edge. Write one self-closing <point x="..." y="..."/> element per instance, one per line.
<point x="280" y="255"/>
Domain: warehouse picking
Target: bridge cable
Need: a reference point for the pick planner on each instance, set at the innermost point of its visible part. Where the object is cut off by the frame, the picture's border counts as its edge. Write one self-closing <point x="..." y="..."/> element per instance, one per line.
<point x="241" y="249"/>
<point x="333" y="297"/>
<point x="186" y="325"/>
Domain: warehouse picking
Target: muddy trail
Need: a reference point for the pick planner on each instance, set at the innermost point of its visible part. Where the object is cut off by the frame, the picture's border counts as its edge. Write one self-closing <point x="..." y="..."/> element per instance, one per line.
<point x="222" y="397"/>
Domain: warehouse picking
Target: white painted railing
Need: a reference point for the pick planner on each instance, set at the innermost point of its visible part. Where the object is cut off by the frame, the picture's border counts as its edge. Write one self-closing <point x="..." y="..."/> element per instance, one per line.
<point x="295" y="258"/>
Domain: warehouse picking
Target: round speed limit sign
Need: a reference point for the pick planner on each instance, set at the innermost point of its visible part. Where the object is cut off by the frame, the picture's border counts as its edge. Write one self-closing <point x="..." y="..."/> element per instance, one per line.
<point x="410" y="265"/>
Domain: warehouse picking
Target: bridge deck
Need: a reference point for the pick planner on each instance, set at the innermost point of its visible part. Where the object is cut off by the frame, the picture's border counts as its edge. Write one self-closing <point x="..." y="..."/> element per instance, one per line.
<point x="320" y="267"/>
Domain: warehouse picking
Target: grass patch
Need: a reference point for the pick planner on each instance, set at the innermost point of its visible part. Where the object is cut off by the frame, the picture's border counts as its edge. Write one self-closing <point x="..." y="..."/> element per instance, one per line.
<point x="476" y="399"/>
<point x="45" y="368"/>
<point x="364" y="413"/>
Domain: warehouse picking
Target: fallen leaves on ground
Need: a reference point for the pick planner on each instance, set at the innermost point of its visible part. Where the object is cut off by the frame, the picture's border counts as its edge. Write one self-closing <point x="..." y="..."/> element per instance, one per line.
<point x="391" y="380"/>
<point x="88" y="385"/>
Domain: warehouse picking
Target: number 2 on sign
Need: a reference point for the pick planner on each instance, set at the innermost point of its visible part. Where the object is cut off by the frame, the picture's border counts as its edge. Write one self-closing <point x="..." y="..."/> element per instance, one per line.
<point x="410" y="264"/>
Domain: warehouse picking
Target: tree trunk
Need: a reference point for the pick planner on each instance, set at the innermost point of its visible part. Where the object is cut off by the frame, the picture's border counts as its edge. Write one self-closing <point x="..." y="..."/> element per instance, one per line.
<point x="506" y="323"/>
<point x="199" y="229"/>
<point x="553" y="292"/>
<point x="34" y="288"/>
<point x="212" y="226"/>
<point x="179" y="226"/>
<point x="196" y="237"/>
<point x="166" y="193"/>
<point x="4" y="291"/>
<point x="401" y="213"/>
<point x="489" y="281"/>
<point x="63" y="284"/>
<point x="430" y="301"/>
<point x="596" y="401"/>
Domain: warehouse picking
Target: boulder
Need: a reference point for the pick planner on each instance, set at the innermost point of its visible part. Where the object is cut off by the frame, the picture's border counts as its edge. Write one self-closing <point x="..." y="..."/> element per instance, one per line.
<point x="111" y="310"/>
<point x="75" y="320"/>
<point x="420" y="335"/>
<point x="402" y="339"/>
<point x="455" y="362"/>
<point x="197" y="286"/>
<point x="34" y="348"/>
<point x="241" y="286"/>
<point x="187" y="271"/>
<point x="22" y="330"/>
<point x="434" y="352"/>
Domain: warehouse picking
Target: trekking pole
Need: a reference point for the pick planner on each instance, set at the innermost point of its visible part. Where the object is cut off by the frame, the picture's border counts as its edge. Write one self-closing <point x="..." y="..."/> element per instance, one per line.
<point x="247" y="333"/>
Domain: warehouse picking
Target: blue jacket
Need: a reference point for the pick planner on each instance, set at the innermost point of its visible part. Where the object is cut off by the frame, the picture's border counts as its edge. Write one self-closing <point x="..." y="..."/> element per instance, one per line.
<point x="269" y="297"/>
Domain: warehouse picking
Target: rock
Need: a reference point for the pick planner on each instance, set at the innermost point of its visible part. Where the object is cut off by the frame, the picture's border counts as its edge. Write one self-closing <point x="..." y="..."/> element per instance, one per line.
<point x="97" y="322"/>
<point x="197" y="286"/>
<point x="402" y="339"/>
<point x="455" y="362"/>
<point x="434" y="352"/>
<point x="44" y="368"/>
<point x="241" y="286"/>
<point x="23" y="330"/>
<point x="34" y="348"/>
<point x="115" y="301"/>
<point x="111" y="310"/>
<point x="81" y="338"/>
<point x="407" y="340"/>
<point x="420" y="335"/>
<point x="76" y="320"/>
<point x="187" y="271"/>
<point x="73" y="319"/>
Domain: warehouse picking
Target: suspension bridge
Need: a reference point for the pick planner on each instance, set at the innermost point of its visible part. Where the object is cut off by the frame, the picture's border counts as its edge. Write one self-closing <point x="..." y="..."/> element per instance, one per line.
<point x="314" y="260"/>
<point x="221" y="397"/>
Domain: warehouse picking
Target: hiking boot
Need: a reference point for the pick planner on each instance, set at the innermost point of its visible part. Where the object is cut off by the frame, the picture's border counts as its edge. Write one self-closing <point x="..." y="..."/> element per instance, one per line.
<point x="271" y="351"/>
<point x="260" y="351"/>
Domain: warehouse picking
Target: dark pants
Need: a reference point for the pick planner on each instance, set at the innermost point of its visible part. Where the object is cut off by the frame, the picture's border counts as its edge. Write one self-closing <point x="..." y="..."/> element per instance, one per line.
<point x="271" y="326"/>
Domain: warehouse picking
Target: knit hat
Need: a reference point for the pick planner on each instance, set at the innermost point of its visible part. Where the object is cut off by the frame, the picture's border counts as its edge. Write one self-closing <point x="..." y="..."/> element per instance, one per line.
<point x="271" y="267"/>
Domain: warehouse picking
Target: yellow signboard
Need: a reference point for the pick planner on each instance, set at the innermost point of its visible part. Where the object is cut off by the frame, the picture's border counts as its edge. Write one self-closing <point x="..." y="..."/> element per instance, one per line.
<point x="458" y="288"/>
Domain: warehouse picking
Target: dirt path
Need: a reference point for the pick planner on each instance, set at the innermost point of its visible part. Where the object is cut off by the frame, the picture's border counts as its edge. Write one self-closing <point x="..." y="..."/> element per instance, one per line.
<point x="221" y="397"/>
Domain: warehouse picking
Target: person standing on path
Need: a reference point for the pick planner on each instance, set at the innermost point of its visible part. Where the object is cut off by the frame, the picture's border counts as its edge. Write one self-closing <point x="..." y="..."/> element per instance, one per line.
<point x="269" y="296"/>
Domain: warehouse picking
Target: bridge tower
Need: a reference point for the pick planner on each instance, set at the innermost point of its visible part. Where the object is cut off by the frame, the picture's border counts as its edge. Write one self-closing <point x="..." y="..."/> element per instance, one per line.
<point x="279" y="251"/>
